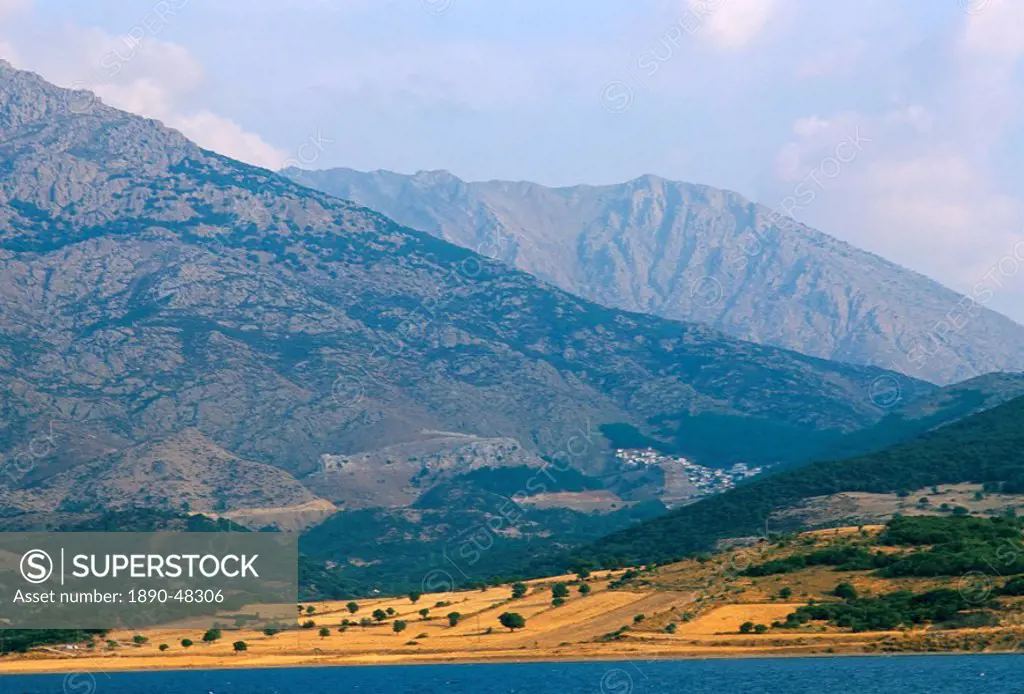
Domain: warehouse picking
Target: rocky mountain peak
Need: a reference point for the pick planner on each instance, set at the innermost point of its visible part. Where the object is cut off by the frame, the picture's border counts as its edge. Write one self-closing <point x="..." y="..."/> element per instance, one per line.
<point x="691" y="252"/>
<point x="436" y="176"/>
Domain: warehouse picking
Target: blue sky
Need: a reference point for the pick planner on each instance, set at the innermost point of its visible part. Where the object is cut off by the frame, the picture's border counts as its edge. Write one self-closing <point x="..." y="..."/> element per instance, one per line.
<point x="892" y="125"/>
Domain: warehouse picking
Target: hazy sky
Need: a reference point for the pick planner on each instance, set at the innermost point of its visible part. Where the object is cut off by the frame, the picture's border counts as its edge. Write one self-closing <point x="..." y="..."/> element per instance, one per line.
<point x="891" y="124"/>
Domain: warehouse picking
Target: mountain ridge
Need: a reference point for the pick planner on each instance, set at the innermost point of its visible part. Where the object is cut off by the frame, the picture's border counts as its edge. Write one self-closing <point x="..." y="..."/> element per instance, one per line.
<point x="149" y="286"/>
<point x="693" y="252"/>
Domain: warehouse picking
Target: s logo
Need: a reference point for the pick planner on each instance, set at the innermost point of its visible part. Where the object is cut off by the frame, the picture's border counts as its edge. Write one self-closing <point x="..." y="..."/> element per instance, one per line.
<point x="36" y="566"/>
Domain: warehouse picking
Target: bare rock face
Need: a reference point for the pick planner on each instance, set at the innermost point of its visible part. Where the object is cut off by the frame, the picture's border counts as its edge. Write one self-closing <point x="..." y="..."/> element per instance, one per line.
<point x="396" y="475"/>
<point x="696" y="253"/>
<point x="148" y="287"/>
<point x="184" y="472"/>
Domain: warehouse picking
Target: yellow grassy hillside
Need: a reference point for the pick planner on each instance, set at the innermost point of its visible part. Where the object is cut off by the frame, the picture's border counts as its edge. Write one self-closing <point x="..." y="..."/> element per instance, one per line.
<point x="692" y="608"/>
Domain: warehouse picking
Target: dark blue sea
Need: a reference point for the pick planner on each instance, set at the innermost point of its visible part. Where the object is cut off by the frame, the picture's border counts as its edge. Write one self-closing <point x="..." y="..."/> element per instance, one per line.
<point x="995" y="674"/>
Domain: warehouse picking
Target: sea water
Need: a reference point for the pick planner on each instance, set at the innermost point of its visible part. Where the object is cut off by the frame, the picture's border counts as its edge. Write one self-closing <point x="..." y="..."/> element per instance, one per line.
<point x="952" y="674"/>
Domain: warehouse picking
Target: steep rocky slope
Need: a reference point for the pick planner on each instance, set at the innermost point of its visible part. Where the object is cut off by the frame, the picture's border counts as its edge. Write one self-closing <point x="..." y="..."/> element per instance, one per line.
<point x="183" y="472"/>
<point x="693" y="252"/>
<point x="396" y="475"/>
<point x="148" y="286"/>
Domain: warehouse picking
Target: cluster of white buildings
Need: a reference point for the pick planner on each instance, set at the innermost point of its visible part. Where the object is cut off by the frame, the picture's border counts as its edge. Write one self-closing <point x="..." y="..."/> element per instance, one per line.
<point x="706" y="480"/>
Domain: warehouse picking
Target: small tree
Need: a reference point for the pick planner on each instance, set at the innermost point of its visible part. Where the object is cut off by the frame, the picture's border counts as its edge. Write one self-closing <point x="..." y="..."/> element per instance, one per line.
<point x="746" y="627"/>
<point x="308" y="624"/>
<point x="424" y="613"/>
<point x="163" y="647"/>
<point x="380" y="615"/>
<point x="518" y="590"/>
<point x="365" y="622"/>
<point x="310" y="609"/>
<point x="414" y="596"/>
<point x="786" y="593"/>
<point x="211" y="635"/>
<point x="845" y="591"/>
<point x="270" y="631"/>
<point x="639" y="618"/>
<point x="324" y="632"/>
<point x="671" y="628"/>
<point x="352" y="607"/>
<point x="139" y="639"/>
<point x="760" y="628"/>
<point x="559" y="590"/>
<point x="453" y="618"/>
<point x="240" y="646"/>
<point x="186" y="643"/>
<point x="583" y="573"/>
<point x="512" y="620"/>
<point x="399" y="626"/>
<point x="391" y="612"/>
<point x="585" y="589"/>
<point x="558" y="602"/>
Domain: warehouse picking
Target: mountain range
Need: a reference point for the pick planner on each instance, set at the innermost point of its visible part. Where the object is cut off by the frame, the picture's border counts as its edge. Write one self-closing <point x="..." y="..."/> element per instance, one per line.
<point x="181" y="332"/>
<point x="148" y="286"/>
<point x="696" y="253"/>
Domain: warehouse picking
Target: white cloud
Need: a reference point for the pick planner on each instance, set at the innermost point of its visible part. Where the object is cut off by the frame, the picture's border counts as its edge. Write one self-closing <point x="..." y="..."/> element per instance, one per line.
<point x="809" y="126"/>
<point x="924" y="192"/>
<point x="937" y="209"/>
<point x="921" y="199"/>
<point x="732" y="24"/>
<point x="996" y="30"/>
<point x="225" y="136"/>
<point x="916" y="116"/>
<point x="8" y="52"/>
<point x="940" y="215"/>
<point x="816" y="139"/>
<point x="11" y="7"/>
<point x="148" y="76"/>
<point x="988" y="58"/>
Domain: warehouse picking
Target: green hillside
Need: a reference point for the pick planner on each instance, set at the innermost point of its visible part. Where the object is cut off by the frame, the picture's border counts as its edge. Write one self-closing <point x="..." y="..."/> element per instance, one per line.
<point x="986" y="447"/>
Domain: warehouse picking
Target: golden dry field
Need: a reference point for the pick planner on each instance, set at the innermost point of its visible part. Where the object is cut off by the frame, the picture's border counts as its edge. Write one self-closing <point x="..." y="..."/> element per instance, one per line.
<point x="689" y="609"/>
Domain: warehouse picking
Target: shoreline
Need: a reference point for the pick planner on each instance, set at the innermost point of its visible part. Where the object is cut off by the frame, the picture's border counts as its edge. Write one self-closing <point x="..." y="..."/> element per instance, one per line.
<point x="128" y="664"/>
